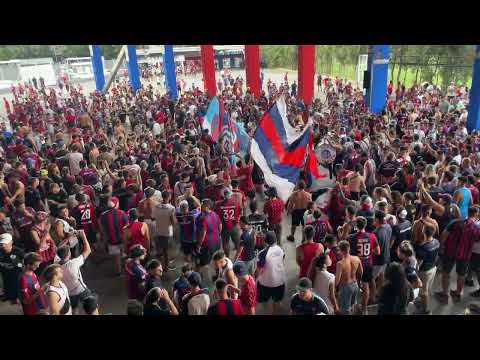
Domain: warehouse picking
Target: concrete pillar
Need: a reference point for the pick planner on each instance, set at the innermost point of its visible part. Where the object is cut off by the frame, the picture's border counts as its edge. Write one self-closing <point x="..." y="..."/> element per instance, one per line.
<point x="379" y="78"/>
<point x="473" y="121"/>
<point x="133" y="71"/>
<point x="306" y="73"/>
<point x="170" y="71"/>
<point x="208" y="70"/>
<point x="252" y="68"/>
<point x="97" y="66"/>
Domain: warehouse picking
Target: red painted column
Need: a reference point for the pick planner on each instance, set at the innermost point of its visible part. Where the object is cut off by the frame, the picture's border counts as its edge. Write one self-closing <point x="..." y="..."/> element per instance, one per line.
<point x="252" y="68"/>
<point x="208" y="69"/>
<point x="306" y="72"/>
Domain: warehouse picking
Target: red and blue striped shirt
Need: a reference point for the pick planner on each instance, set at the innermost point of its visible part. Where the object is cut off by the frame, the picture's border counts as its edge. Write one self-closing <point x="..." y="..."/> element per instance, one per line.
<point x="113" y="221"/>
<point x="210" y="223"/>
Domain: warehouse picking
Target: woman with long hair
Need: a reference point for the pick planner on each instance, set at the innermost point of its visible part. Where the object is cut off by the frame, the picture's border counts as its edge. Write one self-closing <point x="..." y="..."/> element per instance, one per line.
<point x="396" y="293"/>
<point x="323" y="281"/>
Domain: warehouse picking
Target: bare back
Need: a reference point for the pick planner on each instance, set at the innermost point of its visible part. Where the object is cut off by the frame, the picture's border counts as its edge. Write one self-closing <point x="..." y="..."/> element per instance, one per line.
<point x="347" y="269"/>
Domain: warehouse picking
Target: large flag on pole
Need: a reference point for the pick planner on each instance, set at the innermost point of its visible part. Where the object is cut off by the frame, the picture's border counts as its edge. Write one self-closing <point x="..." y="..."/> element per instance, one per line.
<point x="279" y="149"/>
<point x="212" y="120"/>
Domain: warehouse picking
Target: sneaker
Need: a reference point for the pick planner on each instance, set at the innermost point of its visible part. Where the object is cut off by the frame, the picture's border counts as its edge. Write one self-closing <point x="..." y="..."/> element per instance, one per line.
<point x="441" y="296"/>
<point x="290" y="238"/>
<point x="469" y="283"/>
<point x="475" y="294"/>
<point x="455" y="295"/>
<point x="171" y="268"/>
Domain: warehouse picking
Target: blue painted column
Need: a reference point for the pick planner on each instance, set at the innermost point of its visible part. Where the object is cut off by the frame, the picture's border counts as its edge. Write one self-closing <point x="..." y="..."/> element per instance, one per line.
<point x="97" y="66"/>
<point x="379" y="78"/>
<point x="170" y="71"/>
<point x="473" y="120"/>
<point x="133" y="72"/>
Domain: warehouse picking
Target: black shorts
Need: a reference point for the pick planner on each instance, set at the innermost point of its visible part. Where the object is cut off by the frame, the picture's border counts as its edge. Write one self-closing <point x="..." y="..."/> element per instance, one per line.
<point x="76" y="300"/>
<point x="162" y="242"/>
<point x="461" y="266"/>
<point x="367" y="275"/>
<point x="187" y="248"/>
<point x="205" y="256"/>
<point x="265" y="293"/>
<point x="475" y="262"/>
<point x="297" y="217"/>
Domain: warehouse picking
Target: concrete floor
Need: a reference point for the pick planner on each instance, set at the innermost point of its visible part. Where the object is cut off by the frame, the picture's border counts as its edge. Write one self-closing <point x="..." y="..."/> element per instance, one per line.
<point x="113" y="297"/>
<point x="112" y="290"/>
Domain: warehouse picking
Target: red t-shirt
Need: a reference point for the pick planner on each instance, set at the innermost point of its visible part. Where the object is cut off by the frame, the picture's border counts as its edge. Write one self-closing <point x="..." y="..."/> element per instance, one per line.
<point x="29" y="286"/>
<point x="229" y="212"/>
<point x="248" y="293"/>
<point x="309" y="250"/>
<point x="274" y="209"/>
<point x="246" y="185"/>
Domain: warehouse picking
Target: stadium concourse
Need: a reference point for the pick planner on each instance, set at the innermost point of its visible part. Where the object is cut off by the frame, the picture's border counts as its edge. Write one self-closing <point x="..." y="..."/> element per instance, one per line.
<point x="100" y="272"/>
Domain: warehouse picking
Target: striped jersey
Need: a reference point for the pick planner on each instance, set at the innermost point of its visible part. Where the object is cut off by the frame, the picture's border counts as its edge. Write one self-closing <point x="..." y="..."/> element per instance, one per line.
<point x="113" y="221"/>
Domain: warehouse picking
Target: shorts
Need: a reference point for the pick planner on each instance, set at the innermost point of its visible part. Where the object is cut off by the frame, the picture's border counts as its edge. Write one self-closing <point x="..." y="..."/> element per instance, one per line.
<point x="347" y="296"/>
<point x="475" y="262"/>
<point x="427" y="278"/>
<point x="233" y="234"/>
<point x="205" y="256"/>
<point x="161" y="242"/>
<point x="367" y="275"/>
<point x="114" y="250"/>
<point x="187" y="248"/>
<point x="265" y="293"/>
<point x="461" y="266"/>
<point x="277" y="229"/>
<point x="297" y="217"/>
<point x="378" y="269"/>
<point x="75" y="300"/>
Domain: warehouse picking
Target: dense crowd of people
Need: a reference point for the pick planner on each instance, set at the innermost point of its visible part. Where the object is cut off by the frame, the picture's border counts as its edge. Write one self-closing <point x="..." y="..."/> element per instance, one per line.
<point x="130" y="176"/>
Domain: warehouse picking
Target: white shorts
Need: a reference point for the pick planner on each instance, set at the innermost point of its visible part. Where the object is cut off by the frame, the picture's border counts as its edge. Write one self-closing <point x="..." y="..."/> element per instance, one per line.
<point x="114" y="250"/>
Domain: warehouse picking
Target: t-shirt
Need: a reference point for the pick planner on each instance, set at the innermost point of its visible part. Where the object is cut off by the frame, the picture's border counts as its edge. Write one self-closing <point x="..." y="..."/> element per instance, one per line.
<point x="136" y="275"/>
<point x="186" y="224"/>
<point x="427" y="253"/>
<point x="229" y="211"/>
<point x="72" y="276"/>
<point x="248" y="293"/>
<point x="274" y="209"/>
<point x="226" y="307"/>
<point x="74" y="162"/>
<point x="162" y="215"/>
<point x="247" y="241"/>
<point x="271" y="263"/>
<point x="246" y="185"/>
<point x="384" y="235"/>
<point x="361" y="245"/>
<point x="315" y="306"/>
<point x="152" y="282"/>
<point x="29" y="286"/>
<point x="209" y="222"/>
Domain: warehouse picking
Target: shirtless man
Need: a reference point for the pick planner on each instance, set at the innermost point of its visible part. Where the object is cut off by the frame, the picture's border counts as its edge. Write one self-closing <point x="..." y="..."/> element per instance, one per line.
<point x="349" y="273"/>
<point x="356" y="183"/>
<point x="425" y="219"/>
<point x="86" y="121"/>
<point x="297" y="204"/>
<point x="145" y="208"/>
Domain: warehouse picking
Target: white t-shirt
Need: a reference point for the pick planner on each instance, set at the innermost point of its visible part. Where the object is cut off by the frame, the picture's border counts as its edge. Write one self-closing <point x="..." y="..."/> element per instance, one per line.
<point x="198" y="305"/>
<point x="157" y="129"/>
<point x="72" y="276"/>
<point x="271" y="262"/>
<point x="323" y="279"/>
<point x="74" y="162"/>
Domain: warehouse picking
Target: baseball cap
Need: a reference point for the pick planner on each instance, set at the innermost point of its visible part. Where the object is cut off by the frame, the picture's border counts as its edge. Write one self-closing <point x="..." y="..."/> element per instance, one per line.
<point x="304" y="284"/>
<point x="240" y="269"/>
<point x="6" y="238"/>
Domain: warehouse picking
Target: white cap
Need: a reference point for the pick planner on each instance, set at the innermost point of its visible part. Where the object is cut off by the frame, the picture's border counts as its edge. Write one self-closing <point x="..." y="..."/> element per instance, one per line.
<point x="6" y="238"/>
